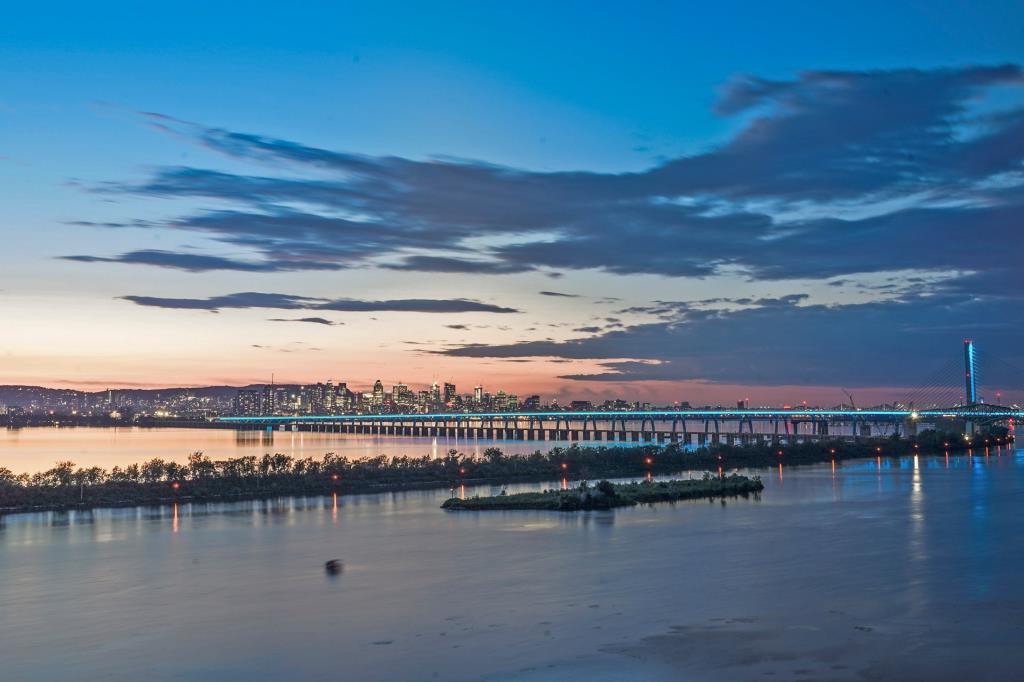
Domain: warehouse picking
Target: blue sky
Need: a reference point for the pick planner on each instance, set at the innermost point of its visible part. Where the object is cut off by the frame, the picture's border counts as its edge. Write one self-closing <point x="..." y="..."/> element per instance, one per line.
<point x="532" y="88"/>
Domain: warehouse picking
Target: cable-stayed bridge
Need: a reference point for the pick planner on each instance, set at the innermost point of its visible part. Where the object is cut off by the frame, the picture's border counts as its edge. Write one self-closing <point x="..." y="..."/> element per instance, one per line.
<point x="948" y="402"/>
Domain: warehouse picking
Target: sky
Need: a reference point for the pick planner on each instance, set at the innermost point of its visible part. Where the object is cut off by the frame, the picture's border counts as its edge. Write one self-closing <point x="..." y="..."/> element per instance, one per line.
<point x="653" y="201"/>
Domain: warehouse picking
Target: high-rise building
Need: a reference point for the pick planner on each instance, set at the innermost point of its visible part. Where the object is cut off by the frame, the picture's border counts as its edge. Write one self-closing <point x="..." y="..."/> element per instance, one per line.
<point x="343" y="399"/>
<point x="377" y="399"/>
<point x="478" y="396"/>
<point x="400" y="394"/>
<point x="327" y="400"/>
<point x="435" y="393"/>
<point x="269" y="403"/>
<point x="248" y="403"/>
<point x="449" y="393"/>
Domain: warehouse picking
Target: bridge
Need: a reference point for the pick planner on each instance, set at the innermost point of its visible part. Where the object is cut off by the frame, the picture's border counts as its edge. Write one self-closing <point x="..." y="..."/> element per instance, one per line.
<point x="684" y="426"/>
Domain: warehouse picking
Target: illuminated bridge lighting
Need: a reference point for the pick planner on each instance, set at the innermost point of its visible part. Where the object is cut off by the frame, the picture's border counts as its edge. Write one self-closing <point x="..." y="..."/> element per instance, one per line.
<point x="945" y="413"/>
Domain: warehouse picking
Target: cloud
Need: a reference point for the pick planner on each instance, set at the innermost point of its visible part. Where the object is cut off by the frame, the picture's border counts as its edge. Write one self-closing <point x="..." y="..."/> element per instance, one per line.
<point x="787" y="342"/>
<point x="457" y="326"/>
<point x="822" y="167"/>
<point x="558" y="294"/>
<point x="456" y="265"/>
<point x="193" y="262"/>
<point x="311" y="320"/>
<point x="291" y="302"/>
<point x="415" y="305"/>
<point x="248" y="299"/>
<point x="854" y="177"/>
<point x="293" y="347"/>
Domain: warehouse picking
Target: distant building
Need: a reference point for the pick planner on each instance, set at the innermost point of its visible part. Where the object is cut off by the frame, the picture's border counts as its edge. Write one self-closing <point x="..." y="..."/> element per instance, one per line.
<point x="248" y="403"/>
<point x="532" y="403"/>
<point x="344" y="399"/>
<point x="269" y="402"/>
<point x="449" y="393"/>
<point x="581" y="406"/>
<point x="400" y="394"/>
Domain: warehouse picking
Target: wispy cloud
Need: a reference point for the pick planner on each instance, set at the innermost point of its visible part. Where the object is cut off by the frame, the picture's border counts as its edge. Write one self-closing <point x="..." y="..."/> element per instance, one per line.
<point x="250" y="299"/>
<point x="310" y="320"/>
<point x="194" y="262"/>
<point x="829" y="176"/>
<point x="457" y="265"/>
<point x="821" y="165"/>
<point x="782" y="341"/>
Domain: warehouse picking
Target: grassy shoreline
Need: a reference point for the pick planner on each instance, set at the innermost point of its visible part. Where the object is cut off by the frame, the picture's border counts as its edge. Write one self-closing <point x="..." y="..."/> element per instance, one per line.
<point x="157" y="482"/>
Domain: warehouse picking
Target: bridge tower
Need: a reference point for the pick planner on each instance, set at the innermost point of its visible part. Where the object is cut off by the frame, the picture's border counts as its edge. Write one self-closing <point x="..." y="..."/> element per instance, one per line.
<point x="970" y="385"/>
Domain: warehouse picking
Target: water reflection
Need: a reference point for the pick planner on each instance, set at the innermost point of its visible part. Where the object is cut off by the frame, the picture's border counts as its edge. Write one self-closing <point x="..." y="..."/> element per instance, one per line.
<point x="938" y="533"/>
<point x="37" y="449"/>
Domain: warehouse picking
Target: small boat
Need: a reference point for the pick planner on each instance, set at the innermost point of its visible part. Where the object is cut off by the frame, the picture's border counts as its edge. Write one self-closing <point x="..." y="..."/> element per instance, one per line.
<point x="334" y="567"/>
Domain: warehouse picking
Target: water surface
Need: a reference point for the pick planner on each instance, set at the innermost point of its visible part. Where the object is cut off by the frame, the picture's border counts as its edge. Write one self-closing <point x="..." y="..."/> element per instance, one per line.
<point x="877" y="570"/>
<point x="35" y="449"/>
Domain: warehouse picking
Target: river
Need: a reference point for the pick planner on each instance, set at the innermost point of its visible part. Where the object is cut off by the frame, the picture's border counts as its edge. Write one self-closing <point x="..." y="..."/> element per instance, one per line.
<point x="34" y="449"/>
<point x="884" y="569"/>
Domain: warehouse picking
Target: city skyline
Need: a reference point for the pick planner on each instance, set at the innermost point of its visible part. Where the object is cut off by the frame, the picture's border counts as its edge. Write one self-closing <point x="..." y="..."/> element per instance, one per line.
<point x="509" y="202"/>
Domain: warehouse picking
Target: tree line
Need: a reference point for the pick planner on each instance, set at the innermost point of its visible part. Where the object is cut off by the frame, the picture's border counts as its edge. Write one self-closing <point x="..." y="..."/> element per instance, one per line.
<point x="201" y="478"/>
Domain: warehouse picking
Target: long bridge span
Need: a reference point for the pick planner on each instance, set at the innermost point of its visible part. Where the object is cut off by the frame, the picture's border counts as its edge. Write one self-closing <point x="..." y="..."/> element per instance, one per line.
<point x="684" y="426"/>
<point x="696" y="427"/>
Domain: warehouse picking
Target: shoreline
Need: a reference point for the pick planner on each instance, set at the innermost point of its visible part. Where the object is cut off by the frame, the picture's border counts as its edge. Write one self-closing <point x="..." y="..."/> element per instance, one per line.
<point x="198" y="484"/>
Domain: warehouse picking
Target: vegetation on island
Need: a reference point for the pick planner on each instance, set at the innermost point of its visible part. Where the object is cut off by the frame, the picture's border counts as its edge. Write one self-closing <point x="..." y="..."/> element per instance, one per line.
<point x="608" y="495"/>
<point x="157" y="481"/>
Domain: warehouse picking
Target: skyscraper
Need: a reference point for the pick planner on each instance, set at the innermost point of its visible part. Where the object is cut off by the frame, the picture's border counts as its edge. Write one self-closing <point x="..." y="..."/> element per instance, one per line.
<point x="248" y="403"/>
<point x="269" y="403"/>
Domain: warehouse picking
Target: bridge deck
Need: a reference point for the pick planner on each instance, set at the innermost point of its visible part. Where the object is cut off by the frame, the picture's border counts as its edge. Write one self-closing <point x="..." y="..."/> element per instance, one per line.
<point x="967" y="412"/>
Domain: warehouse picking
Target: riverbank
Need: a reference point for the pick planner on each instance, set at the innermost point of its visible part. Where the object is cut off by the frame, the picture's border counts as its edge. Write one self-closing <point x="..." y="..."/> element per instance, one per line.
<point x="204" y="480"/>
<point x="607" y="495"/>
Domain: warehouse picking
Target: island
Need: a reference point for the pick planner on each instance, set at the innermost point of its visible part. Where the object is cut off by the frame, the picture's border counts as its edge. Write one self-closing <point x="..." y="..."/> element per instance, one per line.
<point x="608" y="495"/>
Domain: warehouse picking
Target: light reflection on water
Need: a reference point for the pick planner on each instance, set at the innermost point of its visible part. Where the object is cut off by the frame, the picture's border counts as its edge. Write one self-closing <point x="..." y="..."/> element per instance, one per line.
<point x="37" y="449"/>
<point x="238" y="591"/>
